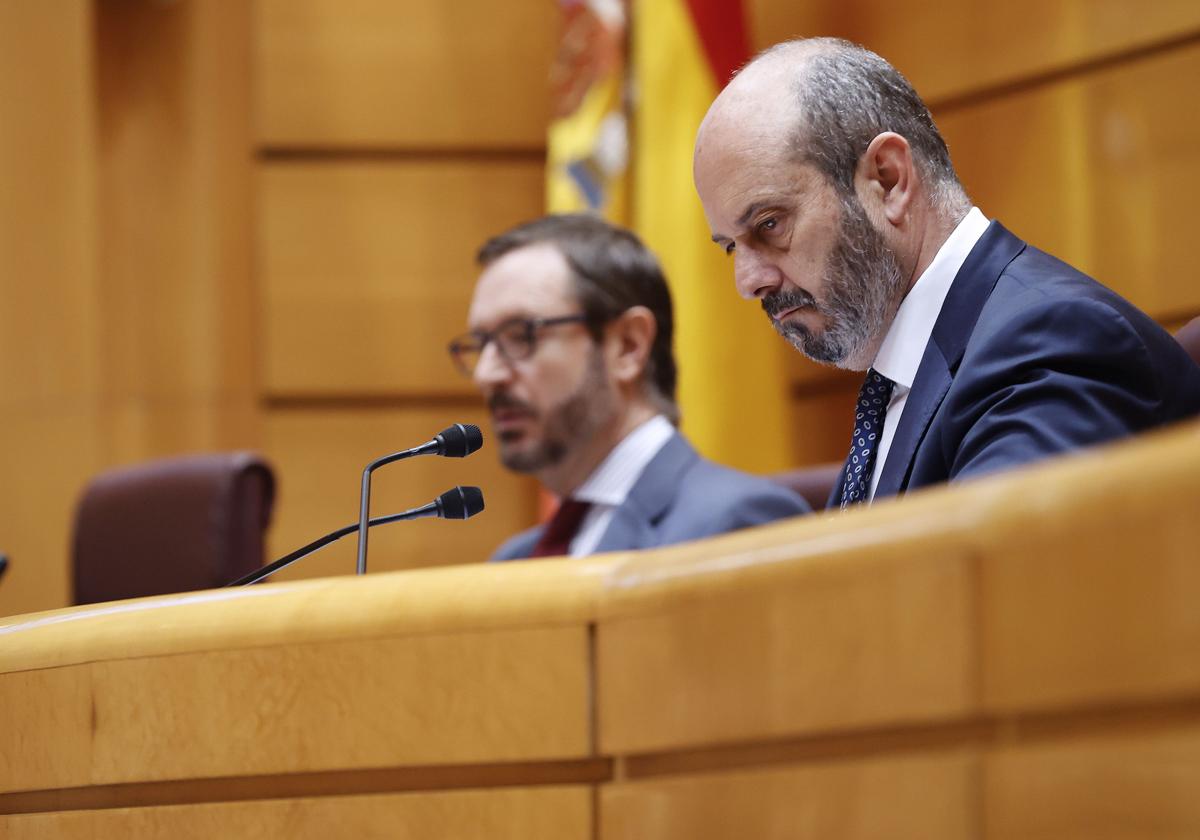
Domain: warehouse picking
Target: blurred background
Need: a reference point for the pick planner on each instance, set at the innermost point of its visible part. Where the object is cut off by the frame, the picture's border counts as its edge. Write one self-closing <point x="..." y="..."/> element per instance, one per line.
<point x="251" y="225"/>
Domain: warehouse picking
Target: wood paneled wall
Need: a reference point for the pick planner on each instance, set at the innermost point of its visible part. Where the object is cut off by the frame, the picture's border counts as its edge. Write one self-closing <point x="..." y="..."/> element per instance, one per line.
<point x="393" y="139"/>
<point x="380" y="74"/>
<point x="177" y="302"/>
<point x="126" y="303"/>
<point x="48" y="322"/>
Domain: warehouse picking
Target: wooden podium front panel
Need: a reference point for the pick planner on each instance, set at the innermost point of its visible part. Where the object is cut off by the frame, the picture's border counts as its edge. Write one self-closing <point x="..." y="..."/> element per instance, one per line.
<point x="1139" y="783"/>
<point x="923" y="797"/>
<point x="830" y="640"/>
<point x="483" y="670"/>
<point x="562" y="813"/>
<point x="1033" y="638"/>
<point x="436" y="699"/>
<point x="1013" y="657"/>
<point x="1091" y="588"/>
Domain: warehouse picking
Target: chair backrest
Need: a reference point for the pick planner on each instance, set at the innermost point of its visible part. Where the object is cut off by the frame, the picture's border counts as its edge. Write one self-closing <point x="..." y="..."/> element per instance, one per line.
<point x="813" y="483"/>
<point x="1189" y="337"/>
<point x="173" y="525"/>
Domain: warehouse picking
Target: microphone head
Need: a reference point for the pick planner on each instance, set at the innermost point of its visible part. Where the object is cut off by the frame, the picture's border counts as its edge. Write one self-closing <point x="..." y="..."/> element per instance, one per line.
<point x="459" y="440"/>
<point x="460" y="503"/>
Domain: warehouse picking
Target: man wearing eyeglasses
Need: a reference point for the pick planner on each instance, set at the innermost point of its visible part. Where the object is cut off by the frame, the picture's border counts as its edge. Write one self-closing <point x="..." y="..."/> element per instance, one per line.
<point x="570" y="344"/>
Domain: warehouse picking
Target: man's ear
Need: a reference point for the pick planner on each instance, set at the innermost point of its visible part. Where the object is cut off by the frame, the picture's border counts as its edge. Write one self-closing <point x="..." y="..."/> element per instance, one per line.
<point x="628" y="339"/>
<point x="886" y="178"/>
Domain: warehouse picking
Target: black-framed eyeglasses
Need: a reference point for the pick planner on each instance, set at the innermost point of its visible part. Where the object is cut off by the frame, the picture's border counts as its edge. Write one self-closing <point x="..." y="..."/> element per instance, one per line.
<point x="515" y="340"/>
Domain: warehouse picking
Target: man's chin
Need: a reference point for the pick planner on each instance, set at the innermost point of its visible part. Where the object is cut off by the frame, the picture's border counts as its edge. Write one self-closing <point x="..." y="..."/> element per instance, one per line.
<point x="521" y="459"/>
<point x="809" y="343"/>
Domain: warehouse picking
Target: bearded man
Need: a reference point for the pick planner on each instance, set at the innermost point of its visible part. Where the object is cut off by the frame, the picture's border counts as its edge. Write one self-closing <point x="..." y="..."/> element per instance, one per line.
<point x="570" y="344"/>
<point x="825" y="179"/>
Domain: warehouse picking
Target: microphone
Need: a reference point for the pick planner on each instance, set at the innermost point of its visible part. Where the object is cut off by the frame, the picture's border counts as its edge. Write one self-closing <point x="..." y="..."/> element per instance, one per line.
<point x="457" y="441"/>
<point x="457" y="503"/>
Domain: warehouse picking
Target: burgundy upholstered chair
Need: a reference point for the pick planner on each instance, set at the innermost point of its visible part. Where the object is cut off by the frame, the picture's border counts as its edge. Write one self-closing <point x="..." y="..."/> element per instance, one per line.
<point x="174" y="525"/>
<point x="814" y="483"/>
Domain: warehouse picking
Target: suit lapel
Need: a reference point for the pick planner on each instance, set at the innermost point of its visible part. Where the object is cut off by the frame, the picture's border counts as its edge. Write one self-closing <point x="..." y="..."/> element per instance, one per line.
<point x="968" y="293"/>
<point x="930" y="386"/>
<point x="634" y="523"/>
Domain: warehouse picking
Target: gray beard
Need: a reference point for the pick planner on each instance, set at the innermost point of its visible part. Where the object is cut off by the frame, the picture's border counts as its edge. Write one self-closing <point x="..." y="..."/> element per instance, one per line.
<point x="862" y="294"/>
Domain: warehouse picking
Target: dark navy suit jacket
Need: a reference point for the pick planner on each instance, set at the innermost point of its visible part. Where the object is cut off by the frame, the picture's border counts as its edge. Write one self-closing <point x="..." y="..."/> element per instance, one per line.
<point x="1030" y="358"/>
<point x="679" y="497"/>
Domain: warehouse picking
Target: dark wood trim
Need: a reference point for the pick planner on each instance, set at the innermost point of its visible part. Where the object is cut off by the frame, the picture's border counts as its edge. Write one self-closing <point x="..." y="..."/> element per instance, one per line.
<point x="979" y="733"/>
<point x="370" y="402"/>
<point x="387" y="154"/>
<point x="1025" y="84"/>
<point x="584" y="771"/>
<point x="985" y="732"/>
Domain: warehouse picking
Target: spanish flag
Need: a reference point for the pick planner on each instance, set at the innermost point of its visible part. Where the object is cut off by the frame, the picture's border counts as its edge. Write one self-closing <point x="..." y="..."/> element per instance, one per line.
<point x="734" y="383"/>
<point x="587" y="157"/>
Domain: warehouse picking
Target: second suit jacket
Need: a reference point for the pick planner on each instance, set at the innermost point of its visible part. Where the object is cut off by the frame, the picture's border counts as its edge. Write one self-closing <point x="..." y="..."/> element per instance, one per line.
<point x="679" y="497"/>
<point x="1030" y="358"/>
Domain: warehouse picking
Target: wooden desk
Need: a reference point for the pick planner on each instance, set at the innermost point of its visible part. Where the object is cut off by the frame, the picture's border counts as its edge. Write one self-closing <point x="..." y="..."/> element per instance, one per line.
<point x="1017" y="657"/>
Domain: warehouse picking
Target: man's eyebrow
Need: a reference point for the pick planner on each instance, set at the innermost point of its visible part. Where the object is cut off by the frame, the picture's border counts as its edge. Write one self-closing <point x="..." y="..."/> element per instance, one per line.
<point x="751" y="211"/>
<point x="747" y="214"/>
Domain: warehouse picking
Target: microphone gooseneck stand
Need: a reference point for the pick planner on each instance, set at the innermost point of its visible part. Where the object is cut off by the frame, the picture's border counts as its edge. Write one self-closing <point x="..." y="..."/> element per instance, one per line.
<point x="457" y="441"/>
<point x="458" y="503"/>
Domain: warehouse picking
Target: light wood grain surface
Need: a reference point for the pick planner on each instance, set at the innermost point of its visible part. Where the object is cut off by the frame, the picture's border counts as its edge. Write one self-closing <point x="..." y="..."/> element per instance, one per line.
<point x="1012" y="656"/>
<point x="959" y="49"/>
<point x="1095" y="171"/>
<point x="367" y="268"/>
<point x="469" y="74"/>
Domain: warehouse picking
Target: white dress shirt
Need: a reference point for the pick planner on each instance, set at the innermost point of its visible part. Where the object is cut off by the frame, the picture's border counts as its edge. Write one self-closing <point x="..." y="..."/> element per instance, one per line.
<point x="609" y="484"/>
<point x="904" y="345"/>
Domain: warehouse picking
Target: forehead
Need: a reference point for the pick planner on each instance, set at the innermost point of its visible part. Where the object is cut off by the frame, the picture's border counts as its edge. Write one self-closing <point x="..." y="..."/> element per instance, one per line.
<point x="737" y="172"/>
<point x="531" y="281"/>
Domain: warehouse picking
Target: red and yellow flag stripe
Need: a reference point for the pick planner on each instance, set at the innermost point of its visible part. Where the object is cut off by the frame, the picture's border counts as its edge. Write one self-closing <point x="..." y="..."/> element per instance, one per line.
<point x="734" y="384"/>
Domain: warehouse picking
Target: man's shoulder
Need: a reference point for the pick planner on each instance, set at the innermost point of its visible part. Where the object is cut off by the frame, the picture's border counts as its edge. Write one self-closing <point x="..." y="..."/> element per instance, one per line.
<point x="708" y="486"/>
<point x="517" y="547"/>
<point x="1056" y="361"/>
<point x="1039" y="295"/>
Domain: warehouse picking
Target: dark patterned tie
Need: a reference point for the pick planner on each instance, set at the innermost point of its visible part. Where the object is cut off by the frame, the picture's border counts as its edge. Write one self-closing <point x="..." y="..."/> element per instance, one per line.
<point x="868" y="427"/>
<point x="561" y="529"/>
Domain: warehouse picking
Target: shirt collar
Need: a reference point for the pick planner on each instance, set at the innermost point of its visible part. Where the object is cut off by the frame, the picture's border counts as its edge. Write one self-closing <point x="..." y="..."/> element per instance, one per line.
<point x="904" y="345"/>
<point x="610" y="483"/>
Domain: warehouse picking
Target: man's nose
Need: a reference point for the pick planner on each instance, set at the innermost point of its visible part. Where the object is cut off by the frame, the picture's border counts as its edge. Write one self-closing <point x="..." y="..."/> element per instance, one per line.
<point x="754" y="276"/>
<point x="492" y="368"/>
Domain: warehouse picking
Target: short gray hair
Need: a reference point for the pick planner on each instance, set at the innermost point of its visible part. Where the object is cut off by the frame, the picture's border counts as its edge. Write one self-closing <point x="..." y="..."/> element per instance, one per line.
<point x="848" y="95"/>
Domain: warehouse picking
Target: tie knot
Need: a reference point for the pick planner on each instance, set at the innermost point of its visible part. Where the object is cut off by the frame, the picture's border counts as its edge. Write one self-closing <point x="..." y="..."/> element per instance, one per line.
<point x="876" y="384"/>
<point x="562" y="527"/>
<point x="571" y="512"/>
<point x="874" y="395"/>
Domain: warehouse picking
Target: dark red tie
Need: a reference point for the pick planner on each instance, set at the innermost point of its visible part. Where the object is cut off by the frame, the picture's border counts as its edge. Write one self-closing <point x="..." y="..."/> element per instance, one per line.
<point x="561" y="529"/>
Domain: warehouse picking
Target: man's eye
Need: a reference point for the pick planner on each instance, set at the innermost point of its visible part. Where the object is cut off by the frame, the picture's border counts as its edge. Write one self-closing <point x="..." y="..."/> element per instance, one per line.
<point x="768" y="225"/>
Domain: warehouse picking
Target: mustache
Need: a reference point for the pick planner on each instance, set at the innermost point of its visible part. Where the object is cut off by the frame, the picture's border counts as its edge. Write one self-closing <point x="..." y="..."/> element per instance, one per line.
<point x="502" y="399"/>
<point x="784" y="299"/>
